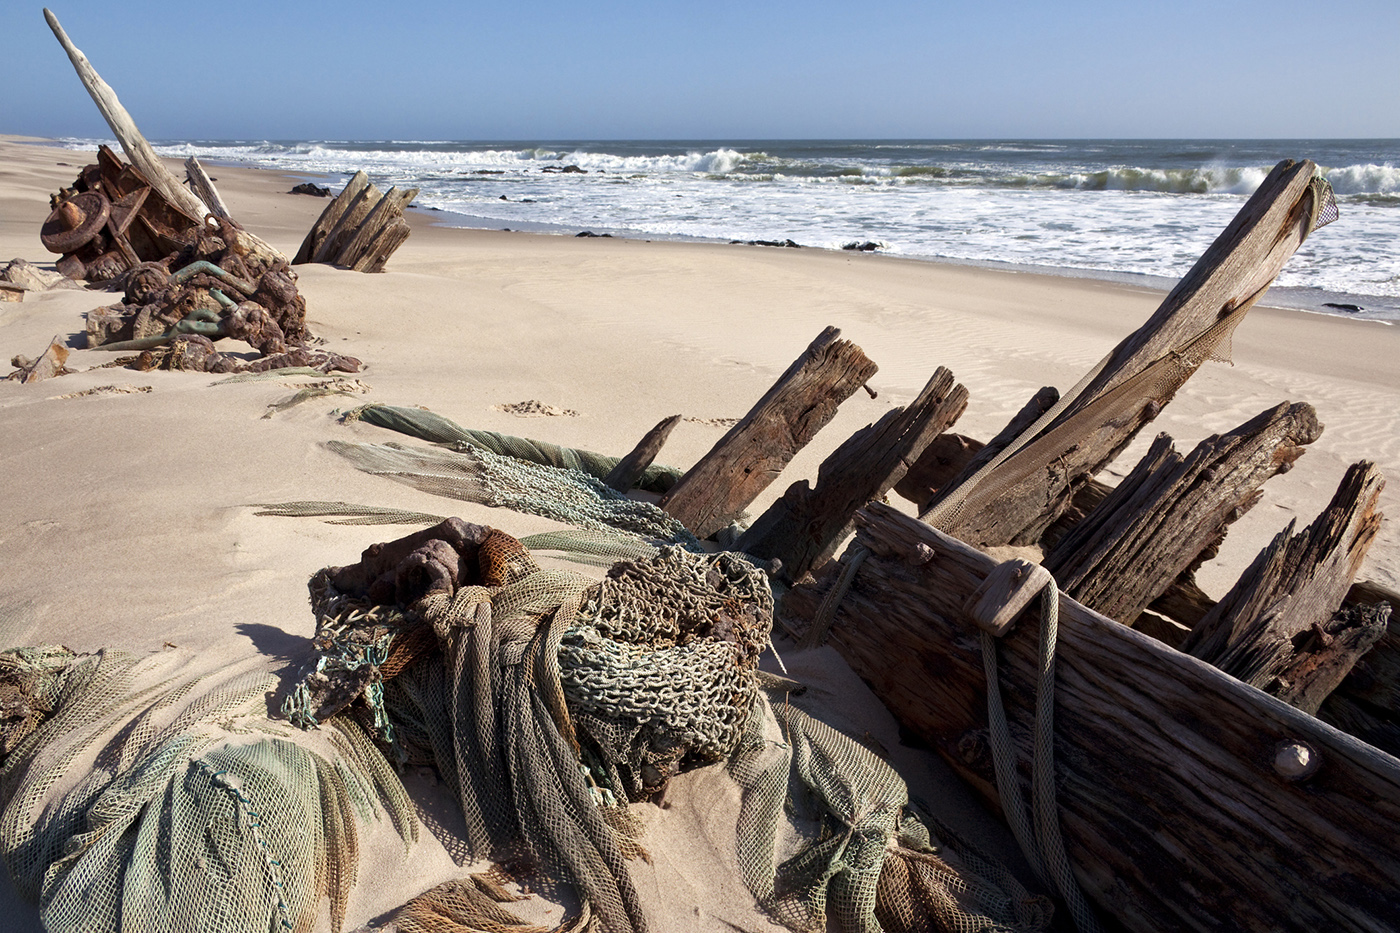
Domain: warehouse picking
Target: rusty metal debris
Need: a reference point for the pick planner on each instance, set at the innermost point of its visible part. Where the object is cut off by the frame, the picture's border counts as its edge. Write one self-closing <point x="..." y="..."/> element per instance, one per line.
<point x="186" y="282"/>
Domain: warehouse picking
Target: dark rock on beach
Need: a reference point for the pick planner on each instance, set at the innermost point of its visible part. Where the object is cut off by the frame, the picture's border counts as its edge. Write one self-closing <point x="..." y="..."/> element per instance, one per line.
<point x="1340" y="306"/>
<point x="868" y="246"/>
<point x="788" y="243"/>
<point x="566" y="170"/>
<point x="590" y="233"/>
<point x="307" y="187"/>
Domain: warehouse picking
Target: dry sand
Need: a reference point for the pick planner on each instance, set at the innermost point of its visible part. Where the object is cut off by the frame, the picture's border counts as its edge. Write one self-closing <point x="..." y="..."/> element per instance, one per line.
<point x="126" y="519"/>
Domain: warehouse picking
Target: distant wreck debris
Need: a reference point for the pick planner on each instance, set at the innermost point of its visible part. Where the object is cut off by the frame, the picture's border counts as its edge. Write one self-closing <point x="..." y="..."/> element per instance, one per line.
<point x="191" y="274"/>
<point x="360" y="229"/>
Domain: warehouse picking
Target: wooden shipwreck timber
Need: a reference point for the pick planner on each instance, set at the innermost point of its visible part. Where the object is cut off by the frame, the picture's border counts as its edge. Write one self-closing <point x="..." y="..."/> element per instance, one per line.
<point x="1196" y="786"/>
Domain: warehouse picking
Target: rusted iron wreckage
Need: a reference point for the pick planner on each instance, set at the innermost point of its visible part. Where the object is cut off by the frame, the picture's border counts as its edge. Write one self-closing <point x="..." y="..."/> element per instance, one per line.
<point x="190" y="274"/>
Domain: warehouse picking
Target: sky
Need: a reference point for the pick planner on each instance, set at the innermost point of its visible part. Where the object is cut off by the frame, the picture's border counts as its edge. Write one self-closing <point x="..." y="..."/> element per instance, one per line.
<point x="606" y="69"/>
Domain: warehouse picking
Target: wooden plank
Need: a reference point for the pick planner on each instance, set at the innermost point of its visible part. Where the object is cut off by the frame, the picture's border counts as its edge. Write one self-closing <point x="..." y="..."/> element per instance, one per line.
<point x="1018" y="501"/>
<point x="1155" y="525"/>
<point x="345" y="227"/>
<point x="748" y="458"/>
<point x="1172" y="812"/>
<point x="204" y="188"/>
<point x="631" y="467"/>
<point x="803" y="528"/>
<point x="356" y="250"/>
<point x="330" y="217"/>
<point x="1296" y="584"/>
<point x="1367" y="703"/>
<point x="384" y="246"/>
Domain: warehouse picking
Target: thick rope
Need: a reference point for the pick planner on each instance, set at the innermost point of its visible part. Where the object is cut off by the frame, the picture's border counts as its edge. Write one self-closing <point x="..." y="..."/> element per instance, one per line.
<point x="1045" y="850"/>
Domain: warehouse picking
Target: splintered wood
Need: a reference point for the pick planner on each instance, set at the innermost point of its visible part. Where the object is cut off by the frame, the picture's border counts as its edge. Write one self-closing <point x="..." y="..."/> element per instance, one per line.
<point x="360" y="229"/>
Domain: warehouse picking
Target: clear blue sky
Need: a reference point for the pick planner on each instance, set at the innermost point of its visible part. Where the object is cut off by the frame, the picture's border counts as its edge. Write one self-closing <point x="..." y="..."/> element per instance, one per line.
<point x="594" y="69"/>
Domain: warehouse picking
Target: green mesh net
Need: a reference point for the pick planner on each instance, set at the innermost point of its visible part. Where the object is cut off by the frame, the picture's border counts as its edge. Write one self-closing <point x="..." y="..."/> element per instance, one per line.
<point x="152" y="799"/>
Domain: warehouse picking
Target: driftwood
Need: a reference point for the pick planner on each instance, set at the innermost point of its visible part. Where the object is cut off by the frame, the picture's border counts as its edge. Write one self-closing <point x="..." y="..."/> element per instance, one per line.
<point x="203" y="186"/>
<point x="1170" y="509"/>
<point x="1293" y="588"/>
<point x="1027" y="492"/>
<point x="330" y="217"/>
<point x="804" y="527"/>
<point x="139" y="151"/>
<point x="747" y="459"/>
<point x="1173" y="813"/>
<point x="631" y="467"/>
<point x="360" y="228"/>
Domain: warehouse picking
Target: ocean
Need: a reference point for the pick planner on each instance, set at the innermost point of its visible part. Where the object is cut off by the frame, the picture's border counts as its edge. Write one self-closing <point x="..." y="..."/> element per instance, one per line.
<point x="1128" y="210"/>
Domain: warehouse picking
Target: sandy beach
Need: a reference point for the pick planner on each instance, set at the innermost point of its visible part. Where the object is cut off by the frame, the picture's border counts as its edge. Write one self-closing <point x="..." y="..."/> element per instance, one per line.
<point x="127" y="518"/>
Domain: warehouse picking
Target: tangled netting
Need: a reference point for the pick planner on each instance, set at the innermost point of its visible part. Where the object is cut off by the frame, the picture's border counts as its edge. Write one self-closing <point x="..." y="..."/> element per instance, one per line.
<point x="548" y="701"/>
<point x="137" y="796"/>
<point x="424" y="424"/>
<point x="475" y="474"/>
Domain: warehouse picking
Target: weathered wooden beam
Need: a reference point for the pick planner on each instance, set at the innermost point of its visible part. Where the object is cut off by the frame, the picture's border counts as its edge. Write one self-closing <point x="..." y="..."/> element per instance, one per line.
<point x="203" y="186"/>
<point x="330" y="217"/>
<point x="803" y="528"/>
<point x="384" y="246"/>
<point x="748" y="458"/>
<point x="1294" y="586"/>
<point x="1173" y="814"/>
<point x="355" y="214"/>
<point x="927" y="492"/>
<point x="356" y="250"/>
<point x="124" y="128"/>
<point x="1155" y="525"/>
<point x="1016" y="502"/>
<point x="50" y="363"/>
<point x="631" y="467"/>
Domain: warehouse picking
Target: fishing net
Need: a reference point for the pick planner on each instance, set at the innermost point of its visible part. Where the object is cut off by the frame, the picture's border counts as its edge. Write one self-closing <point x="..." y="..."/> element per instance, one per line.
<point x="552" y="700"/>
<point x="475" y="474"/>
<point x="138" y="796"/>
<point x="424" y="424"/>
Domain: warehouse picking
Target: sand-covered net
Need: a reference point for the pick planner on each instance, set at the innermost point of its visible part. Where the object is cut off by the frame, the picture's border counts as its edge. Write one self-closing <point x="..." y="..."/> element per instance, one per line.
<point x="158" y="793"/>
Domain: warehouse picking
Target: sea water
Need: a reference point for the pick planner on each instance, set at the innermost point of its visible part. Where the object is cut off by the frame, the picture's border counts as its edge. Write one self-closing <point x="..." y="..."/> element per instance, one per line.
<point x="1135" y="210"/>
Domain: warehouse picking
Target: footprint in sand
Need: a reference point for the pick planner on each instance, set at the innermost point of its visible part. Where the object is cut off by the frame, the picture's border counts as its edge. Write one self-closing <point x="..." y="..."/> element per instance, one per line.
<point x="533" y="408"/>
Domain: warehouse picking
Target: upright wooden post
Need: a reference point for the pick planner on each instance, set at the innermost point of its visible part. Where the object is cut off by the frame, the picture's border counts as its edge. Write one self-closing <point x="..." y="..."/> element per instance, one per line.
<point x="742" y="464"/>
<point x="804" y="527"/>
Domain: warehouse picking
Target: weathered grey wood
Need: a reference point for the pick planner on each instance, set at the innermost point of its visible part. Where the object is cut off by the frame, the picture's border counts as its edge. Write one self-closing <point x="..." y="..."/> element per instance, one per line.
<point x="384" y="212"/>
<point x="357" y="250"/>
<point x="204" y="188"/>
<point x="358" y="209"/>
<point x="384" y="246"/>
<point x="1155" y="525"/>
<point x="1027" y="492"/>
<point x="631" y="467"/>
<point x="748" y="458"/>
<point x="1295" y="583"/>
<point x="1173" y="815"/>
<point x="50" y="363"/>
<point x="330" y="217"/>
<point x="804" y="527"/>
<point x="124" y="128"/>
<point x="1042" y="401"/>
<point x="1184" y="602"/>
